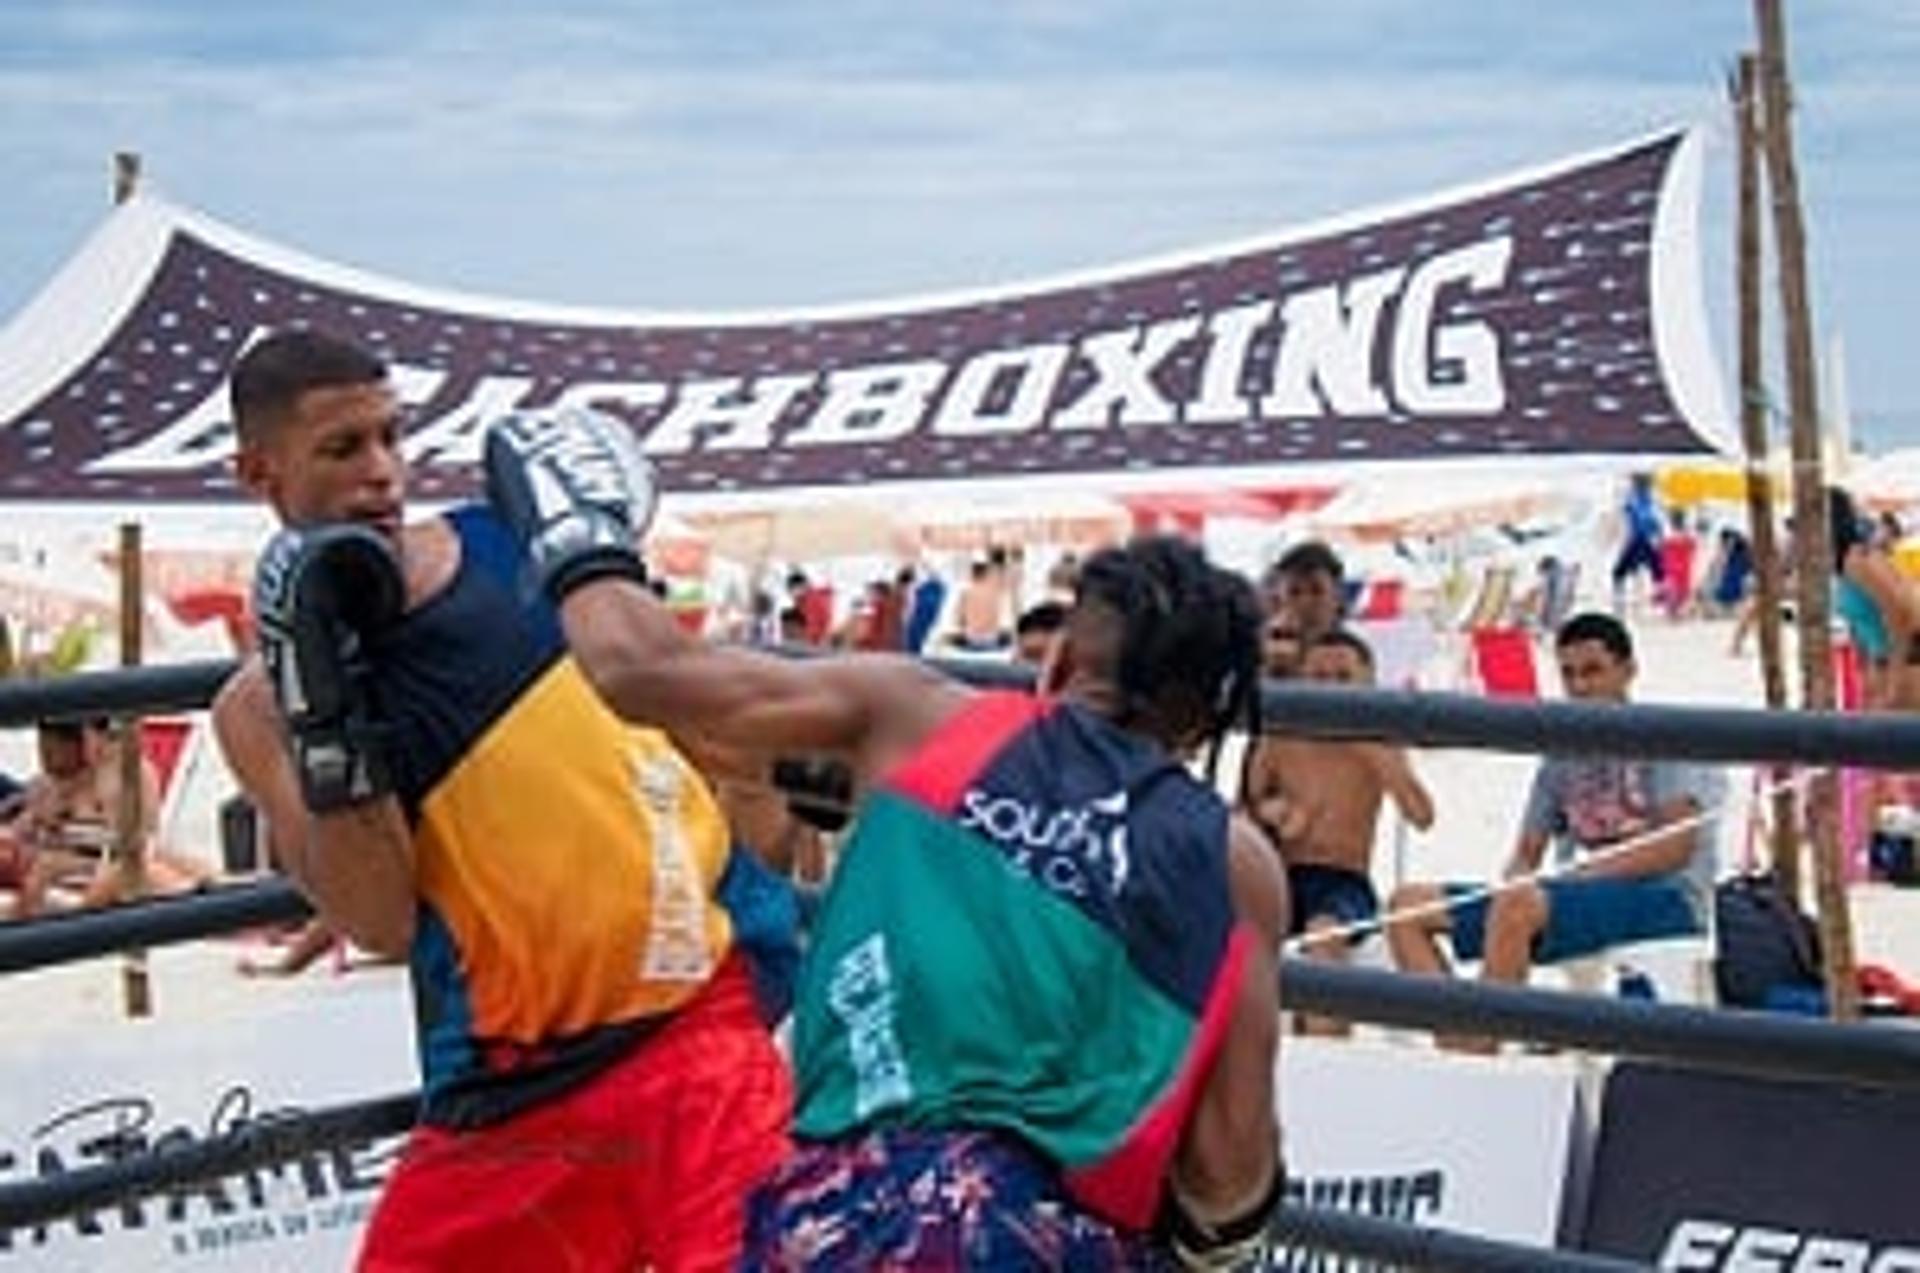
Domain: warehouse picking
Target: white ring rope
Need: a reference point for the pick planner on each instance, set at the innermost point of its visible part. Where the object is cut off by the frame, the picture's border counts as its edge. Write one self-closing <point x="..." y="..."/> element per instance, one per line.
<point x="1361" y="928"/>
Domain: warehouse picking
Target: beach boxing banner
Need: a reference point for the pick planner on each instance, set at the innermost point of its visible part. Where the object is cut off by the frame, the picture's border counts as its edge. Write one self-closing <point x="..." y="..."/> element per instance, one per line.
<point x="1556" y="312"/>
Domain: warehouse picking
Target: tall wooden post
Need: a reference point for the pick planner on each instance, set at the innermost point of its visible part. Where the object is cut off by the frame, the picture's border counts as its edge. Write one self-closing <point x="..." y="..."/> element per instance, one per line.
<point x="129" y="843"/>
<point x="1809" y="505"/>
<point x="1754" y="438"/>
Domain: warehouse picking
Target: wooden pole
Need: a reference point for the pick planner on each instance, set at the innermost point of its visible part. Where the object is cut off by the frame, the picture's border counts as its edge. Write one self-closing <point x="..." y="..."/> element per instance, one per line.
<point x="1754" y="437"/>
<point x="1809" y="506"/>
<point x="129" y="842"/>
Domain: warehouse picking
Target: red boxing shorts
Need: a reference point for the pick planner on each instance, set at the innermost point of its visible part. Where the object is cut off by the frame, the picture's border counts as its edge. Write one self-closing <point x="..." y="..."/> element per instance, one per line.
<point x="648" y="1165"/>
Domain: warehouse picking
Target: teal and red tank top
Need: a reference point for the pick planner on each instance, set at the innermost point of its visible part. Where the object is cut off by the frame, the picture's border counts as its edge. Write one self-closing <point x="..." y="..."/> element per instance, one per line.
<point x="1029" y="931"/>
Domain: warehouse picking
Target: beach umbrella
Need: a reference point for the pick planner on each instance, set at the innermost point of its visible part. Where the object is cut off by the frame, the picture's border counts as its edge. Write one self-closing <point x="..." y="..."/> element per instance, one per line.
<point x="1066" y="520"/>
<point x="1712" y="482"/>
<point x="1888" y="481"/>
<point x="804" y="533"/>
<point x="1381" y="512"/>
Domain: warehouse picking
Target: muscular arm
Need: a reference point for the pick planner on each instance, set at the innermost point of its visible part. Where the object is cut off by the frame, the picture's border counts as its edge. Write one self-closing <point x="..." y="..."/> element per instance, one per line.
<point x="354" y="865"/>
<point x="864" y="708"/>
<point x="1231" y="1146"/>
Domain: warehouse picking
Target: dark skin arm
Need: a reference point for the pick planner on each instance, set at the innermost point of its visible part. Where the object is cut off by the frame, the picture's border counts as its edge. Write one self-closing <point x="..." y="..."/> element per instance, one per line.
<point x="866" y="709"/>
<point x="1230" y="1148"/>
<point x="869" y="710"/>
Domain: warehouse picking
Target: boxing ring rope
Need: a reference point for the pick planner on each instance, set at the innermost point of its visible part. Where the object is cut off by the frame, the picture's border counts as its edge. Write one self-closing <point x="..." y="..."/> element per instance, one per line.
<point x="1727" y="1039"/>
<point x="64" y="937"/>
<point x="1720" y="1039"/>
<point x="267" y="1143"/>
<point x="1401" y="1244"/>
<point x="1744" y="1042"/>
<point x="170" y="687"/>
<point x="270" y="1143"/>
<point x="1419" y="718"/>
<point x="181" y="1168"/>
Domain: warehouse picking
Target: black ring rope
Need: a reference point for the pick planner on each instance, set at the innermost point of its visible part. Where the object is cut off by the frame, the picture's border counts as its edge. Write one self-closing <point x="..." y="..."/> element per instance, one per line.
<point x="1416" y="717"/>
<point x="179" y="1169"/>
<point x="66" y="936"/>
<point x="1401" y="1244"/>
<point x="1725" y="1039"/>
<point x="1719" y="1038"/>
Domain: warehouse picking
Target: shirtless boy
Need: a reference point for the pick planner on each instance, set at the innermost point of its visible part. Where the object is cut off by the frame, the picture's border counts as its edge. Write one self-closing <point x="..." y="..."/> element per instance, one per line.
<point x="1321" y="801"/>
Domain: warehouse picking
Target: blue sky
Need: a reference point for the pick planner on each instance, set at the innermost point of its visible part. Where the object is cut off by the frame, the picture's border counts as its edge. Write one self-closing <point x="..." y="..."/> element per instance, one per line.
<point x="706" y="156"/>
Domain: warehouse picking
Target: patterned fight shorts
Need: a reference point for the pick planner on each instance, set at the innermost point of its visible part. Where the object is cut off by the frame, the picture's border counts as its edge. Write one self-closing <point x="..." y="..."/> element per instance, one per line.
<point x="893" y="1200"/>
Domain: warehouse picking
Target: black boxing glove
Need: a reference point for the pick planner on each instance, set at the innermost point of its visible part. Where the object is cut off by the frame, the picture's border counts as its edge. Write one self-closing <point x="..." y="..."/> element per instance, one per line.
<point x="319" y="596"/>
<point x="819" y="790"/>
<point x="572" y="485"/>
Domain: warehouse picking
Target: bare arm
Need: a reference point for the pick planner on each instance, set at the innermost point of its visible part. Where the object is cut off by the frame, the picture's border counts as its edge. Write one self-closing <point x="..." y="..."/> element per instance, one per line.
<point x="1526" y="854"/>
<point x="39" y="812"/>
<point x="149" y="801"/>
<point x="1231" y="1147"/>
<point x="1881" y="580"/>
<point x="1659" y="853"/>
<point x="1264" y="799"/>
<point x="1409" y="794"/>
<point x="1255" y="783"/>
<point x="864" y="708"/>
<point x="355" y="865"/>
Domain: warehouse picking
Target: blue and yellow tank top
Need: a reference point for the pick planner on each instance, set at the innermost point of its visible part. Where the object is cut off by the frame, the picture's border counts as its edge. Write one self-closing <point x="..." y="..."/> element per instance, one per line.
<point x="566" y="862"/>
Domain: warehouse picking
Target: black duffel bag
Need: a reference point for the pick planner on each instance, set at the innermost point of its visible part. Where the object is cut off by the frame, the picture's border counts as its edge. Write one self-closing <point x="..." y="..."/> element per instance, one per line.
<point x="1767" y="948"/>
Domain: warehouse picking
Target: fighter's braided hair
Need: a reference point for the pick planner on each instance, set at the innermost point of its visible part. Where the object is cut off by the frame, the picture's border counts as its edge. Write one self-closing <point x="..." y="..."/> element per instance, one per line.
<point x="1190" y="633"/>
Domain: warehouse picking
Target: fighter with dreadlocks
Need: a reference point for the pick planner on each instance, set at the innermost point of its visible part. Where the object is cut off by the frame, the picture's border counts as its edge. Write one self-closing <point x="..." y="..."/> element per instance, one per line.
<point x="1038" y="1019"/>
